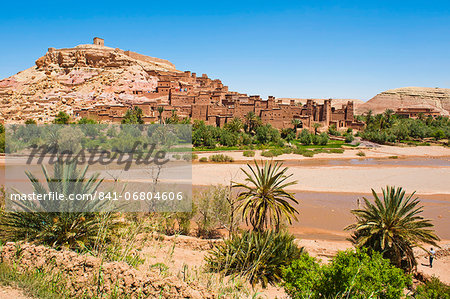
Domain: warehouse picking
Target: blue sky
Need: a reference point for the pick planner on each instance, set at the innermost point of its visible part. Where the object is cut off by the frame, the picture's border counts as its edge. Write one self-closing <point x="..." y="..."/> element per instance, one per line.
<point x="307" y="49"/>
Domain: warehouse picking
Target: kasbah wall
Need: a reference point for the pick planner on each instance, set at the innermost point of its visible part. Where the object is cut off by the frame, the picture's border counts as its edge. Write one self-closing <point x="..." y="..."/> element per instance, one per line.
<point x="208" y="100"/>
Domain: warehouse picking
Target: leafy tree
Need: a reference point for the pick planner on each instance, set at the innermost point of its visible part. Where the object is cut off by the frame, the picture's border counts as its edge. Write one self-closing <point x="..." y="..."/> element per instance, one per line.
<point x="305" y="137"/>
<point x="62" y="118"/>
<point x="133" y="116"/>
<point x="393" y="226"/>
<point x="264" y="201"/>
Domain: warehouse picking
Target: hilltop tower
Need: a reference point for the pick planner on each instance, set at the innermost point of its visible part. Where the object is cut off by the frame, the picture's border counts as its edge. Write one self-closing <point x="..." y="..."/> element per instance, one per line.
<point x="99" y="41"/>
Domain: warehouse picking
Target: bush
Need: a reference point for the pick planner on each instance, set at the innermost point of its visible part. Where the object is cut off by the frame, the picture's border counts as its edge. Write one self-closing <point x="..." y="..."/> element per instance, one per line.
<point x="203" y="159"/>
<point x="177" y="157"/>
<point x="220" y="158"/>
<point x="257" y="256"/>
<point x="213" y="211"/>
<point x="189" y="157"/>
<point x="323" y="139"/>
<point x="349" y="138"/>
<point x="361" y="154"/>
<point x="42" y="225"/>
<point x="308" y="154"/>
<point x="249" y="153"/>
<point x="433" y="289"/>
<point x="305" y="137"/>
<point x="336" y="151"/>
<point x="351" y="274"/>
<point x="333" y="131"/>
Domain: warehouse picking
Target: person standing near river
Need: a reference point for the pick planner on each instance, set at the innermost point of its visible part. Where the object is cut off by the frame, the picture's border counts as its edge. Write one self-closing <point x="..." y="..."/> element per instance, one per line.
<point x="432" y="253"/>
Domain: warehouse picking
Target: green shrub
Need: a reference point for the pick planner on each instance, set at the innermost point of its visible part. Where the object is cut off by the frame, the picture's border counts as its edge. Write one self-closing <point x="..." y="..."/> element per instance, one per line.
<point x="203" y="159"/>
<point x="336" y="150"/>
<point x="177" y="156"/>
<point x="323" y="139"/>
<point x="220" y="158"/>
<point x="194" y="157"/>
<point x="257" y="256"/>
<point x="305" y="137"/>
<point x="267" y="154"/>
<point x="351" y="274"/>
<point x="433" y="289"/>
<point x="249" y="153"/>
<point x="333" y="131"/>
<point x="189" y="157"/>
<point x="349" y="138"/>
<point x="308" y="154"/>
<point x="361" y="154"/>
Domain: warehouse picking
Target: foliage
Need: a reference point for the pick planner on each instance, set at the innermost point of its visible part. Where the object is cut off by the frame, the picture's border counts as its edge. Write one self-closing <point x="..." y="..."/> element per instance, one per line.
<point x="248" y="153"/>
<point x="393" y="226"/>
<point x="433" y="289"/>
<point x="266" y="134"/>
<point x="257" y="256"/>
<point x="66" y="228"/>
<point x="264" y="201"/>
<point x="203" y="159"/>
<point x="388" y="127"/>
<point x="350" y="274"/>
<point x="213" y="210"/>
<point x="333" y="131"/>
<point x="133" y="116"/>
<point x="305" y="137"/>
<point x="361" y="154"/>
<point x="62" y="118"/>
<point x="220" y="158"/>
<point x="349" y="138"/>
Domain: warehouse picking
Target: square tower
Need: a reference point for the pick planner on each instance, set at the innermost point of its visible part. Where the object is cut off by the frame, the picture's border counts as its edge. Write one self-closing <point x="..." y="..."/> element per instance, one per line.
<point x="99" y="41"/>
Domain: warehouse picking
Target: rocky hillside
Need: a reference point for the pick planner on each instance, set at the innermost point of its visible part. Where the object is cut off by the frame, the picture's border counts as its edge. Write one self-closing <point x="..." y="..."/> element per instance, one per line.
<point x="409" y="97"/>
<point x="68" y="79"/>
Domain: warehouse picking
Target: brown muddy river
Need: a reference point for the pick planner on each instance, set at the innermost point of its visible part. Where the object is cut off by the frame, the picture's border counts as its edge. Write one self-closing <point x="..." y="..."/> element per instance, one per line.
<point x="323" y="215"/>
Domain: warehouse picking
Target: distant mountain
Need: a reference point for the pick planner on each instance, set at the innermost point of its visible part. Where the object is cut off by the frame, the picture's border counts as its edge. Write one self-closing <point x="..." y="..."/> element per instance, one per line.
<point x="409" y="97"/>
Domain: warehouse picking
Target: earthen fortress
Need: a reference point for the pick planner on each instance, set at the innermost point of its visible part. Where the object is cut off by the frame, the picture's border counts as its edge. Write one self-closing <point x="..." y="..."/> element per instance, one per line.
<point x="202" y="98"/>
<point x="102" y="83"/>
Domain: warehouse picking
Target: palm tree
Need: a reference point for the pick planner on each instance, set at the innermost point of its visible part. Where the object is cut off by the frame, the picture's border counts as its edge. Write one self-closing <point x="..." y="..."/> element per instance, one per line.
<point x="160" y="111"/>
<point x="393" y="226"/>
<point x="316" y="127"/>
<point x="264" y="202"/>
<point x="60" y="223"/>
<point x="296" y="123"/>
<point x="252" y="121"/>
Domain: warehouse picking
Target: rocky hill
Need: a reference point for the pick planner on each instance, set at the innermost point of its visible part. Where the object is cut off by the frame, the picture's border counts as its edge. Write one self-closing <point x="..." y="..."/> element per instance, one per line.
<point x="409" y="97"/>
<point x="68" y="79"/>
